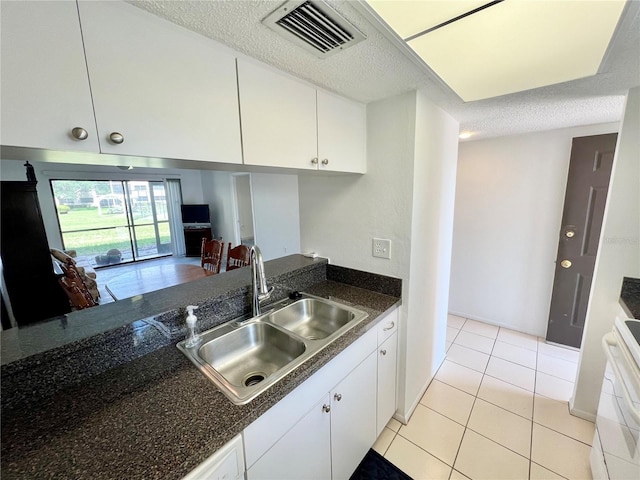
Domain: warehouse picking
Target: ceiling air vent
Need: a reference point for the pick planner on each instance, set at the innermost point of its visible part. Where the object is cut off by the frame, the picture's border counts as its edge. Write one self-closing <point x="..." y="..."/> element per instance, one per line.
<point x="314" y="26"/>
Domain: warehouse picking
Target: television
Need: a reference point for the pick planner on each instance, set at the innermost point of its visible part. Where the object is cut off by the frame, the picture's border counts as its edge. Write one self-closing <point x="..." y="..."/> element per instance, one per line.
<point x="196" y="213"/>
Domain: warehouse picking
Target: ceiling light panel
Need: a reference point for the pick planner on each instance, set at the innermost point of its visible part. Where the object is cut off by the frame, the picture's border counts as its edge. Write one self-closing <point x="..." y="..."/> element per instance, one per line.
<point x="519" y="45"/>
<point x="408" y="17"/>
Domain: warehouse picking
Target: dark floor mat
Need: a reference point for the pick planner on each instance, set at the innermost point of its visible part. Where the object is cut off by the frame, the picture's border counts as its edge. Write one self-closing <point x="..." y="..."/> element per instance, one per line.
<point x="375" y="467"/>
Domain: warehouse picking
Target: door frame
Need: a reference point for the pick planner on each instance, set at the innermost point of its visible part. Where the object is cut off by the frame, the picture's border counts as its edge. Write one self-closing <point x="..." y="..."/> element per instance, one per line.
<point x="236" y="210"/>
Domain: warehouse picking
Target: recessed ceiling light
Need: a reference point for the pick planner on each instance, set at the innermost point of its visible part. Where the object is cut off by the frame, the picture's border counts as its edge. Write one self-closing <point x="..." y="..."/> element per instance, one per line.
<point x="465" y="135"/>
<point x="511" y="46"/>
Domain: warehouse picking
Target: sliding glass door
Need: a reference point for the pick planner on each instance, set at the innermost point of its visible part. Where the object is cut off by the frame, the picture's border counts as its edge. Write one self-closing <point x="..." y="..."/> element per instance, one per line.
<point x="109" y="222"/>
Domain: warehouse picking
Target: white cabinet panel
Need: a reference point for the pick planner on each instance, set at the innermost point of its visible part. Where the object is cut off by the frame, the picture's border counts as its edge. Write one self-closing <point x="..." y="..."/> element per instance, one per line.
<point x="226" y="464"/>
<point x="342" y="134"/>
<point x="303" y="453"/>
<point x="353" y="413"/>
<point x="387" y="377"/>
<point x="45" y="90"/>
<point x="278" y="118"/>
<point x="169" y="92"/>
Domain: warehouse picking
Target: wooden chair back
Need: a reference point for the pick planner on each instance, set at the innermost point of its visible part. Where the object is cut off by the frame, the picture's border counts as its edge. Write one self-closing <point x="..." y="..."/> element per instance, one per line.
<point x="75" y="288"/>
<point x="211" y="255"/>
<point x="238" y="257"/>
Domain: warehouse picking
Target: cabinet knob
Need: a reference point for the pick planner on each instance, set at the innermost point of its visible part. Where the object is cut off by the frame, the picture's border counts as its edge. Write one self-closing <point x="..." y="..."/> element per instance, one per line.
<point x="325" y="162"/>
<point x="326" y="408"/>
<point x="79" y="133"/>
<point x="314" y="161"/>
<point x="337" y="397"/>
<point x="116" y="138"/>
<point x="383" y="352"/>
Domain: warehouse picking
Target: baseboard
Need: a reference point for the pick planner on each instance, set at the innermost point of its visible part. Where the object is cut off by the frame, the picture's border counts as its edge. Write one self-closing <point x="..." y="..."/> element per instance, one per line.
<point x="580" y="413"/>
<point x="404" y="418"/>
<point x="493" y="322"/>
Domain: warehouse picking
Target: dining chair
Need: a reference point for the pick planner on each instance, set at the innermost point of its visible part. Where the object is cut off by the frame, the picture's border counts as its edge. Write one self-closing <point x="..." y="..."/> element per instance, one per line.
<point x="211" y="255"/>
<point x="238" y="257"/>
<point x="74" y="287"/>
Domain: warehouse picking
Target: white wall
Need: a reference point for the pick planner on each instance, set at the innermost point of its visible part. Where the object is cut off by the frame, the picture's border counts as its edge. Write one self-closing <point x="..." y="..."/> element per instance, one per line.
<point x="276" y="214"/>
<point x="618" y="256"/>
<point x="411" y="151"/>
<point x="14" y="170"/>
<point x="217" y="192"/>
<point x="508" y="212"/>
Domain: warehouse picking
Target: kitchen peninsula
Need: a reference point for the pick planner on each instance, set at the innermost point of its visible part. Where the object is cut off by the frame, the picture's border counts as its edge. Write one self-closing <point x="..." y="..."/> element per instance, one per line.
<point x="125" y="403"/>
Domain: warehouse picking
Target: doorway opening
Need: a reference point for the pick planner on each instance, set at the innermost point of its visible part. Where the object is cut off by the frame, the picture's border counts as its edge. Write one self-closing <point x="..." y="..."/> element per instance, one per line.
<point x="243" y="210"/>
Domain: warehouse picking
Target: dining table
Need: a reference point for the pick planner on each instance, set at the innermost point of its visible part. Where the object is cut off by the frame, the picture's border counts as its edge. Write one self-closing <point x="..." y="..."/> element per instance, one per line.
<point x="150" y="279"/>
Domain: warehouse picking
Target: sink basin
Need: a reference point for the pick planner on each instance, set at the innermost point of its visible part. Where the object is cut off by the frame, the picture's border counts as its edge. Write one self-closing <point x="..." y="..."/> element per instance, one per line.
<point x="312" y="318"/>
<point x="251" y="353"/>
<point x="244" y="357"/>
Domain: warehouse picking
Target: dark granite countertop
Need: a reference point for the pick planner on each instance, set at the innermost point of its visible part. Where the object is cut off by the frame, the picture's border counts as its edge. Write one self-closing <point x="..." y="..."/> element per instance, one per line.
<point x="630" y="297"/>
<point x="156" y="416"/>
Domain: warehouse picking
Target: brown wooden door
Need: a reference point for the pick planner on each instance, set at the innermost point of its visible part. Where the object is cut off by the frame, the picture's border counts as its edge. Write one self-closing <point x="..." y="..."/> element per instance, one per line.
<point x="584" y="202"/>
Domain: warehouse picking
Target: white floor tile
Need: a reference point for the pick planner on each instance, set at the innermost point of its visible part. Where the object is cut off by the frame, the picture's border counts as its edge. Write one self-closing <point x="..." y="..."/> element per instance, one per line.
<point x="447" y="346"/>
<point x="508" y="429"/>
<point x="515" y="399"/>
<point x="513" y="373"/>
<point x="462" y="378"/>
<point x="468" y="357"/>
<point x="559" y="352"/>
<point x="452" y="333"/>
<point x="555" y="415"/>
<point x="553" y="387"/>
<point x="561" y="454"/>
<point x="383" y="441"/>
<point x="448" y="401"/>
<point x="415" y="462"/>
<point x="480" y="458"/>
<point x="480" y="328"/>
<point x="521" y="356"/>
<point x="434" y="433"/>
<point x="394" y="425"/>
<point x="474" y="341"/>
<point x="456" y="475"/>
<point x="455" y="321"/>
<point x="557" y="367"/>
<point x="538" y="472"/>
<point x="519" y="339"/>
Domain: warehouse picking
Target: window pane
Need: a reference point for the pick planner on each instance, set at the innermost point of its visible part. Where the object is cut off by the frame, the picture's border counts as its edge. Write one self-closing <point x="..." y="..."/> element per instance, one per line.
<point x="100" y="247"/>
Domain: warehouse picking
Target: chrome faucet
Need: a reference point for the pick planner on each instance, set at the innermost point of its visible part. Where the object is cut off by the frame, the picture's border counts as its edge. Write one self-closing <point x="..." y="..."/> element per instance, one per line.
<point x="259" y="288"/>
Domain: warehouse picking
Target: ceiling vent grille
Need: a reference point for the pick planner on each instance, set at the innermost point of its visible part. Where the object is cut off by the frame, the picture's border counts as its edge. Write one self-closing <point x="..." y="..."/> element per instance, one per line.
<point x="314" y="26"/>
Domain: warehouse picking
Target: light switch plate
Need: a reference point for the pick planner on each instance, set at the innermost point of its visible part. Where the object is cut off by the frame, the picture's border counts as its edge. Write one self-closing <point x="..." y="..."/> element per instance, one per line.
<point x="382" y="248"/>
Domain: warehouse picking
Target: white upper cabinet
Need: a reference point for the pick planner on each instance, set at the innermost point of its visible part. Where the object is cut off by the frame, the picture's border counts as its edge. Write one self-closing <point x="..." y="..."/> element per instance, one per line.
<point x="287" y="123"/>
<point x="342" y="134"/>
<point x="45" y="91"/>
<point x="162" y="90"/>
<point x="278" y="119"/>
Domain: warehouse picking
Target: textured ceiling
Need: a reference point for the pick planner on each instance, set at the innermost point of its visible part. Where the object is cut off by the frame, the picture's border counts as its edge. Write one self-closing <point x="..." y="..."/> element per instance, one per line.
<point x="380" y="67"/>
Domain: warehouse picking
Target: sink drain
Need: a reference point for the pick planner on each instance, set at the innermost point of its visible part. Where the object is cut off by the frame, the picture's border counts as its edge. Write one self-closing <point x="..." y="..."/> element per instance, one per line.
<point x="253" y="379"/>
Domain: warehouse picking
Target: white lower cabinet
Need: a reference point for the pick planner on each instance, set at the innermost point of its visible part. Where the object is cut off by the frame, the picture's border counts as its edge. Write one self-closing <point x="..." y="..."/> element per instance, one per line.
<point x="324" y="428"/>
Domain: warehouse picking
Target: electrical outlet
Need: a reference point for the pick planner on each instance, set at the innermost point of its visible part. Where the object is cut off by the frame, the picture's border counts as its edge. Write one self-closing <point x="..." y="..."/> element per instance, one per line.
<point x="381" y="248"/>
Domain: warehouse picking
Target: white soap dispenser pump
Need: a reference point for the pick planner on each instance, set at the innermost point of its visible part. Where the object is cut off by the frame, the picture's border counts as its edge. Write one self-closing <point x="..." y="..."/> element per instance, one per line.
<point x="193" y="339"/>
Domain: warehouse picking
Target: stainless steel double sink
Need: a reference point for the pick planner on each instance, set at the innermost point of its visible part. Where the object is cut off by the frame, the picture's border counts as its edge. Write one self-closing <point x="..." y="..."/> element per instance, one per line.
<point x="244" y="357"/>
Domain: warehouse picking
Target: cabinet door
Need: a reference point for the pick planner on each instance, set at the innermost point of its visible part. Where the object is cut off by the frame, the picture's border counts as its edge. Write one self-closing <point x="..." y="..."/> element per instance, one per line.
<point x="278" y="118"/>
<point x="45" y="89"/>
<point x="387" y="358"/>
<point x="169" y="92"/>
<point x="342" y="134"/>
<point x="353" y="418"/>
<point x="303" y="452"/>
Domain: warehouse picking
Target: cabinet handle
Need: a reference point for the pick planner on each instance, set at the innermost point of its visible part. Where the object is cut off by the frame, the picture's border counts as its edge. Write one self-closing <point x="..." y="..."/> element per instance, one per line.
<point x="393" y="324"/>
<point x="337" y="397"/>
<point x="116" y="138"/>
<point x="326" y="408"/>
<point x="79" y="133"/>
<point x="314" y="161"/>
<point x="325" y="162"/>
<point x="383" y="352"/>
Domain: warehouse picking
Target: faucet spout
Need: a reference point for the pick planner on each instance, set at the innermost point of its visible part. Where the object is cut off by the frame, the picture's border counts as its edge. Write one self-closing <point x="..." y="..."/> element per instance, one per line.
<point x="259" y="288"/>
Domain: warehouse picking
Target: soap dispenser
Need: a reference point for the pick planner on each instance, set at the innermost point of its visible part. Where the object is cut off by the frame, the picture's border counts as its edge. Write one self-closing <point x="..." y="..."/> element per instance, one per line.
<point x="193" y="339"/>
